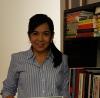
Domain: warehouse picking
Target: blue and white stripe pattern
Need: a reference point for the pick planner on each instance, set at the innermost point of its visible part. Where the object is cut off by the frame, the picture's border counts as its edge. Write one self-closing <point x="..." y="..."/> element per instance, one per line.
<point x="30" y="79"/>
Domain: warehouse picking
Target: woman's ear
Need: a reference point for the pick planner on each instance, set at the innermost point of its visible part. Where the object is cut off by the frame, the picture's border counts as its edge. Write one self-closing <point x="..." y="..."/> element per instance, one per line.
<point x="52" y="37"/>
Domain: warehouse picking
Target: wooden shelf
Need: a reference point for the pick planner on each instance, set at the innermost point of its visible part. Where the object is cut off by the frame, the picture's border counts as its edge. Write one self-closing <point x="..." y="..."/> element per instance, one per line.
<point x="88" y="7"/>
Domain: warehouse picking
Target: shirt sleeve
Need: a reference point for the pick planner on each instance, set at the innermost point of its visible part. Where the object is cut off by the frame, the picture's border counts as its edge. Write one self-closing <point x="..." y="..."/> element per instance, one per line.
<point x="11" y="82"/>
<point x="65" y="85"/>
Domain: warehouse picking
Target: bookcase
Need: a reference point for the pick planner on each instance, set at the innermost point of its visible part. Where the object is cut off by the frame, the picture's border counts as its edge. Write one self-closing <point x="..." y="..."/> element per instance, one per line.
<point x="81" y="46"/>
<point x="81" y="42"/>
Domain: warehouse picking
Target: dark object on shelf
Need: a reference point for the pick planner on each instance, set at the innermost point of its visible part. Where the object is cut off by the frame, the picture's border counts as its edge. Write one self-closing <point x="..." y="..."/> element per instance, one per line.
<point x="82" y="52"/>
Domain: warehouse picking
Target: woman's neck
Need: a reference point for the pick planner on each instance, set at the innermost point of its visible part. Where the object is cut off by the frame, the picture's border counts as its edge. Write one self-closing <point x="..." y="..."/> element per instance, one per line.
<point x="41" y="56"/>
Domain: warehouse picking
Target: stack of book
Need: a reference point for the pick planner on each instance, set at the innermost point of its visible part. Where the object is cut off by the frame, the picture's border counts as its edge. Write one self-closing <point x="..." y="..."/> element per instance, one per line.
<point x="85" y="27"/>
<point x="79" y="24"/>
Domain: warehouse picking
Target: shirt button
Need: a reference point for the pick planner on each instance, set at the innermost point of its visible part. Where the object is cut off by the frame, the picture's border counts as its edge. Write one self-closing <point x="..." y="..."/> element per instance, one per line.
<point x="43" y="80"/>
<point x="43" y="91"/>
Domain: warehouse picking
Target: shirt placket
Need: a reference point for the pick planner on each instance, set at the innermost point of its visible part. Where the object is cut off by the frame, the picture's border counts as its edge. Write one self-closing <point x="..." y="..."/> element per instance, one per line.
<point x="43" y="81"/>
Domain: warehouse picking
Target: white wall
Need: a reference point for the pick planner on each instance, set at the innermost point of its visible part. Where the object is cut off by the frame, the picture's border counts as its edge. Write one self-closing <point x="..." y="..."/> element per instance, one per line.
<point x="14" y="15"/>
<point x="62" y="8"/>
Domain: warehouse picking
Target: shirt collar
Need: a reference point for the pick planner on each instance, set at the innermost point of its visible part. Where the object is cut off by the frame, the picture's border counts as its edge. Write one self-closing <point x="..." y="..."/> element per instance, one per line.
<point x="30" y="54"/>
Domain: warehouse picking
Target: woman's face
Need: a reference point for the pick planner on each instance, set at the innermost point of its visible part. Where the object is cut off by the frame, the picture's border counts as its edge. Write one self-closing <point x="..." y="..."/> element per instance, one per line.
<point x="40" y="38"/>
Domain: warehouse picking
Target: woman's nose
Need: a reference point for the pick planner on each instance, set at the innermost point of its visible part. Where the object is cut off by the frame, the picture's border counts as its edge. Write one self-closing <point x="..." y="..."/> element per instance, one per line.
<point x="40" y="37"/>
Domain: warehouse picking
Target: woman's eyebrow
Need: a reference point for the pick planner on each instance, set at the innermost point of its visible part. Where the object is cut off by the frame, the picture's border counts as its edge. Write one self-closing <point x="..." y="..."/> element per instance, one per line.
<point x="43" y="31"/>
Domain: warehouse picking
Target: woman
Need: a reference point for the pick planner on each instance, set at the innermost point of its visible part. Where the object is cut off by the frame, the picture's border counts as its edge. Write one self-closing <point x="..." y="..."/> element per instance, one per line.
<point x="40" y="71"/>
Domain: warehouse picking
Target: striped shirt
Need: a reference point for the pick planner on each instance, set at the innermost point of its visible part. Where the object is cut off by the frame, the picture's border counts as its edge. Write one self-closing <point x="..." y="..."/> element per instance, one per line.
<point x="30" y="79"/>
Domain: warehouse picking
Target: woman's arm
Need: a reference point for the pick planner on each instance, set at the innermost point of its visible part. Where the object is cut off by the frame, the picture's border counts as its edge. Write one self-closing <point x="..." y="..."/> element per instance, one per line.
<point x="65" y="86"/>
<point x="10" y="84"/>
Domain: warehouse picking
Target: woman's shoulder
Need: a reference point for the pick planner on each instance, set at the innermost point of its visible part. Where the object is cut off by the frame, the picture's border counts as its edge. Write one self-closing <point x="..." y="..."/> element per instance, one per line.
<point x="65" y="59"/>
<point x="22" y="54"/>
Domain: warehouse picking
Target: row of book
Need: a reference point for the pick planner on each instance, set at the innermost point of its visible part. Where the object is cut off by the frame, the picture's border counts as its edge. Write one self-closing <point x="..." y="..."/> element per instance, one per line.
<point x="82" y="24"/>
<point x="84" y="83"/>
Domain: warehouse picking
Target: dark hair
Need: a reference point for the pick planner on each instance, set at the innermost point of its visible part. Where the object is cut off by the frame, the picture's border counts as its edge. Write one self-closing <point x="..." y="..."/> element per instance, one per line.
<point x="39" y="19"/>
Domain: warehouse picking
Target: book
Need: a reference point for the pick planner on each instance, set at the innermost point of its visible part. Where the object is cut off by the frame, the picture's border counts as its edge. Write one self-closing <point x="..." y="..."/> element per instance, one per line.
<point x="85" y="26"/>
<point x="49" y="97"/>
<point x="80" y="92"/>
<point x="85" y="34"/>
<point x="85" y="30"/>
<point x="96" y="86"/>
<point x="79" y="15"/>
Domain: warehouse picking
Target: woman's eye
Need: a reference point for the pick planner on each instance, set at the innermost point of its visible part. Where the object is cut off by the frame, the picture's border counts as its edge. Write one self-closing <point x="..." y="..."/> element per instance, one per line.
<point x="47" y="33"/>
<point x="34" y="33"/>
